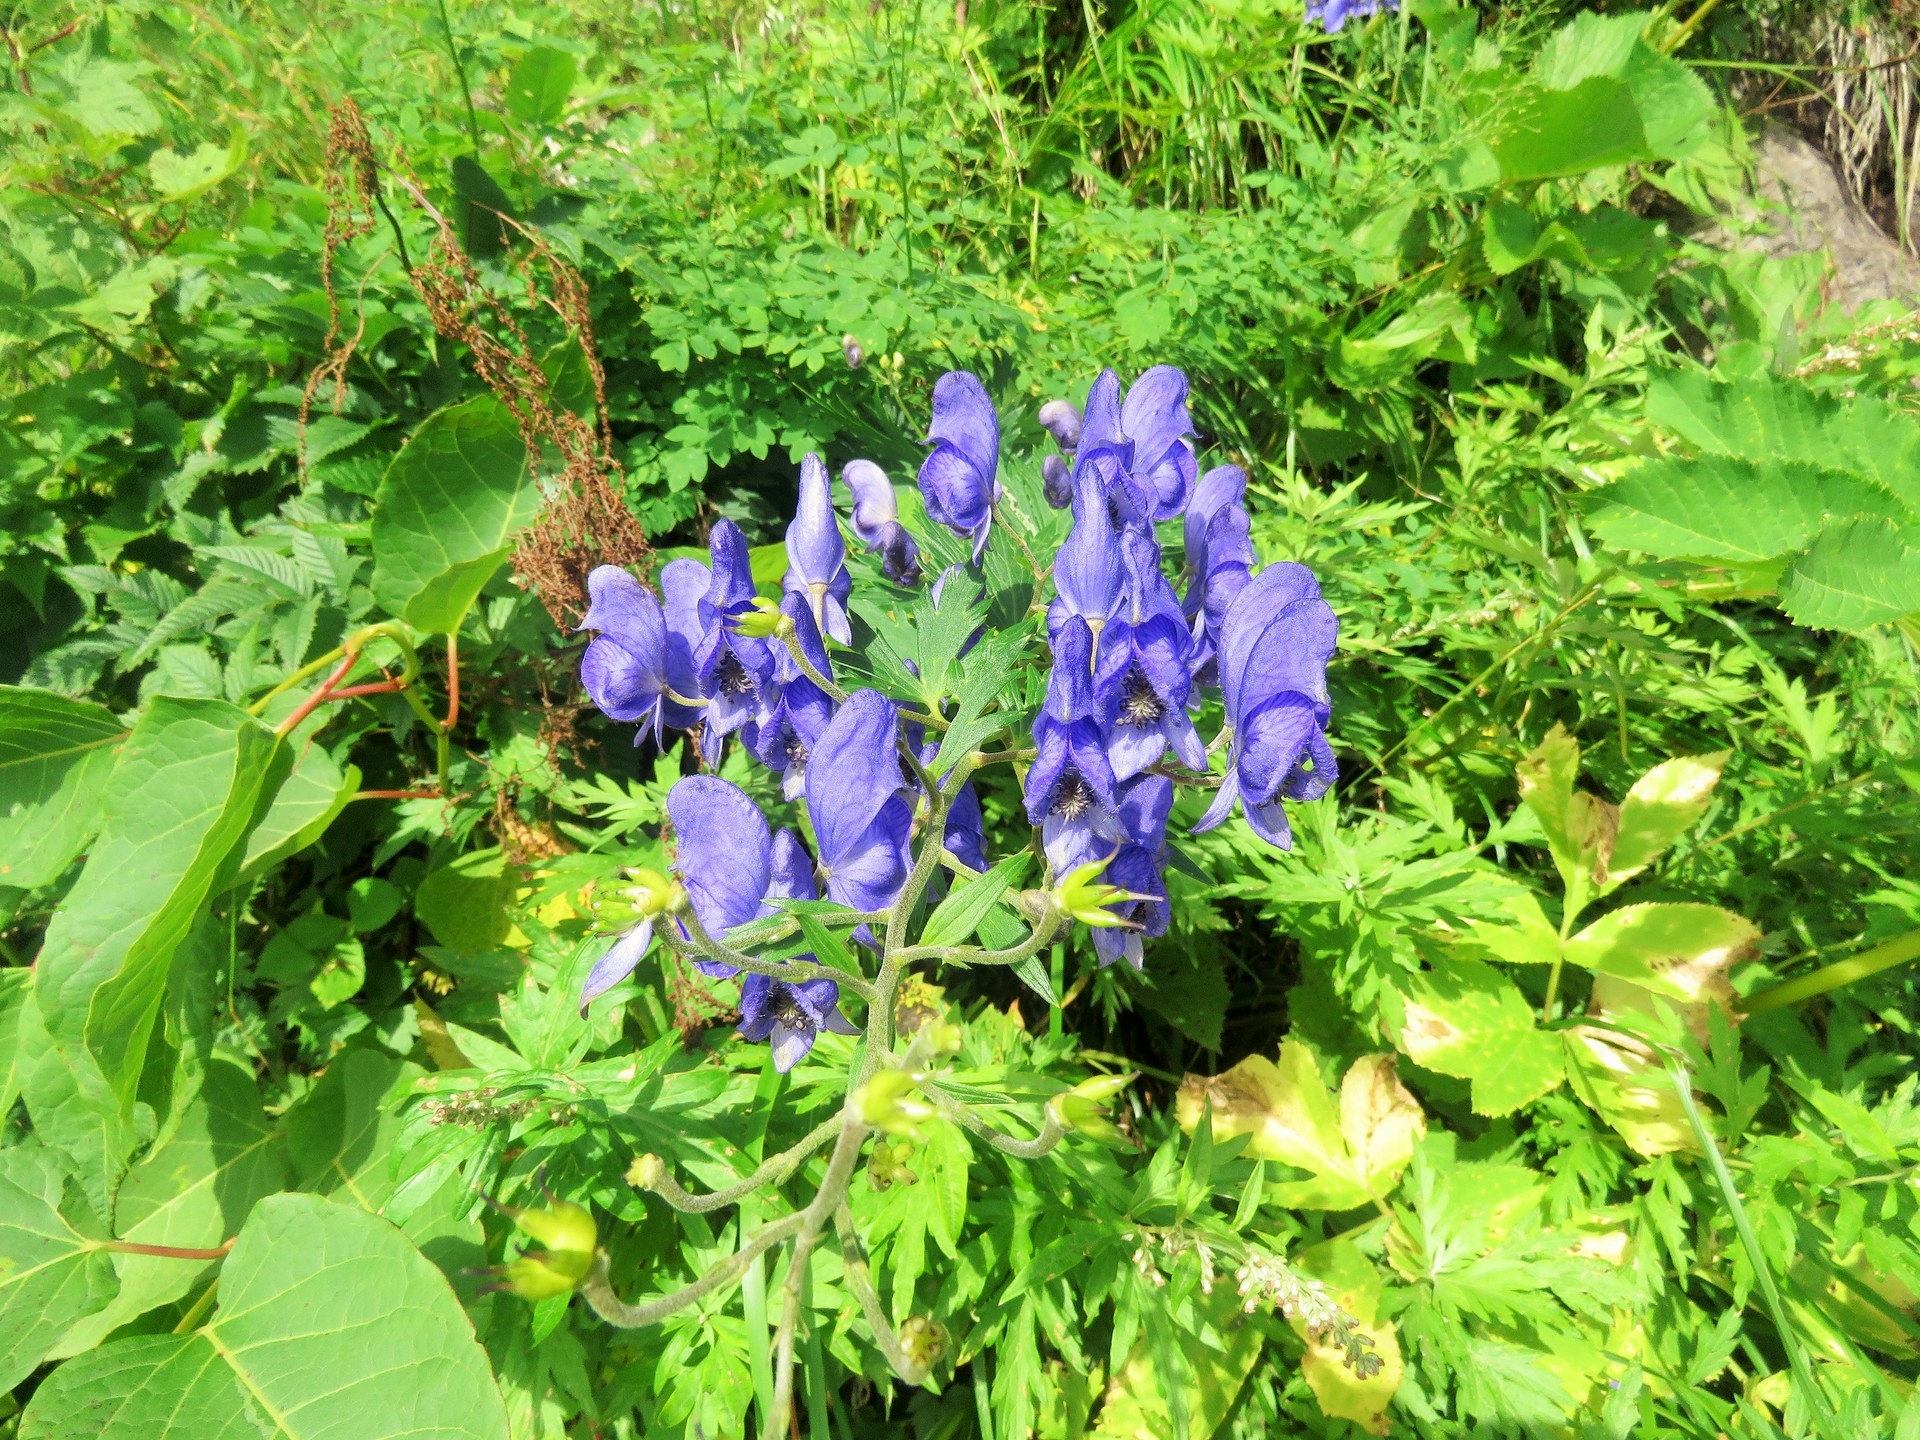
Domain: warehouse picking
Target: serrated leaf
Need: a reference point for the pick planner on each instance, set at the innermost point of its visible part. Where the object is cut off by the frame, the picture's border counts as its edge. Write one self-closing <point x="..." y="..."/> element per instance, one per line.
<point x="1355" y="1153"/>
<point x="1551" y="133"/>
<point x="448" y="509"/>
<point x="329" y="1324"/>
<point x="1858" y="573"/>
<point x="1721" y="508"/>
<point x="1680" y="950"/>
<point x="1579" y="827"/>
<point x="1664" y="804"/>
<point x="1629" y="1088"/>
<point x="1470" y="1021"/>
<point x="55" y="756"/>
<point x="51" y="1271"/>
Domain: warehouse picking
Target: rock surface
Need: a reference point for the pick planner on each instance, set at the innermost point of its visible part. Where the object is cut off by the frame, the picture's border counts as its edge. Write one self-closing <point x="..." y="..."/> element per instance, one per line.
<point x="1811" y="211"/>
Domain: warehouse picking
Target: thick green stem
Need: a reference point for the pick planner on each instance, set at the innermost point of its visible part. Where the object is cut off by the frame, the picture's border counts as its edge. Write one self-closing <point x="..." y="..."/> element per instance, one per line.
<point x="707" y="948"/>
<point x="1049" y="1136"/>
<point x="1898" y="951"/>
<point x="859" y="1278"/>
<point x="611" y="1308"/>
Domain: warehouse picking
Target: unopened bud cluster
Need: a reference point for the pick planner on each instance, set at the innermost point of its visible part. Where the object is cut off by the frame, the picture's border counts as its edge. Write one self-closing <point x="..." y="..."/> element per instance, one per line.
<point x="887" y="1165"/>
<point x="478" y="1109"/>
<point x="1268" y="1280"/>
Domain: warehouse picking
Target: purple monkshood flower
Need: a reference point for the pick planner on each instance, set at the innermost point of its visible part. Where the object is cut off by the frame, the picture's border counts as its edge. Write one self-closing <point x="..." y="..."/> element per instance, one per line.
<point x="1062" y="420"/>
<point x="853" y="796"/>
<point x="1332" y="15"/>
<point x="1140" y="448"/>
<point x="876" y="521"/>
<point x="1136" y="865"/>
<point x="1141" y="677"/>
<point x="817" y="556"/>
<point x="1056" y="482"/>
<point x="1274" y="645"/>
<point x="633" y="666"/>
<point x="1089" y="573"/>
<point x="1220" y="559"/>
<point x="793" y="711"/>
<point x="790" y="1013"/>
<point x="1070" y="787"/>
<point x="1220" y="487"/>
<point x="617" y="964"/>
<point x="960" y="478"/>
<point x="731" y="668"/>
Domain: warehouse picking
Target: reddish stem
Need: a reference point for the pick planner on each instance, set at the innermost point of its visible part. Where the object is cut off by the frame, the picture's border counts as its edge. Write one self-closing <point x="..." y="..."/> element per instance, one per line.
<point x="320" y="696"/>
<point x="380" y="687"/>
<point x="169" y="1252"/>
<point x="453" y="681"/>
<point x="397" y="795"/>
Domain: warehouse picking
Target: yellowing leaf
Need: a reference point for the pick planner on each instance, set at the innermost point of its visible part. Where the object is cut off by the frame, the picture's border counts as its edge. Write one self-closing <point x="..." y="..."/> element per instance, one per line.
<point x="1579" y="827"/>
<point x="1471" y="1022"/>
<point x="1341" y="1392"/>
<point x="1625" y="1084"/>
<point x="1663" y="805"/>
<point x="1679" y="950"/>
<point x="1355" y="1153"/>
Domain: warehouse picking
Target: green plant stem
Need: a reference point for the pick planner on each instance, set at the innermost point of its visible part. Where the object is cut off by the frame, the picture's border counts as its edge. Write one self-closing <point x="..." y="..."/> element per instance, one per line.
<point x="1567" y="913"/>
<point x="598" y="1289"/>
<point x="1750" y="1242"/>
<point x="833" y="1190"/>
<point x="859" y="1277"/>
<point x="771" y="1172"/>
<point x="1900" y="950"/>
<point x="706" y="947"/>
<point x="466" y="91"/>
<point x="1050" y="1132"/>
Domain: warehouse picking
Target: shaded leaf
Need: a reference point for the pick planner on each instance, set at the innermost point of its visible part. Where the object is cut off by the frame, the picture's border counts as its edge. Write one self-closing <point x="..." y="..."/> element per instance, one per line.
<point x="55" y="756"/>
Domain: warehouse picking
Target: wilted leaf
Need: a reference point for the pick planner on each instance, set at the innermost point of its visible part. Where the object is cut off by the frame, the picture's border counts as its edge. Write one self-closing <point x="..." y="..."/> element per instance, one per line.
<point x="1355" y="1153"/>
<point x="1664" y="804"/>
<point x="1579" y="827"/>
<point x="1680" y="950"/>
<point x="1626" y="1085"/>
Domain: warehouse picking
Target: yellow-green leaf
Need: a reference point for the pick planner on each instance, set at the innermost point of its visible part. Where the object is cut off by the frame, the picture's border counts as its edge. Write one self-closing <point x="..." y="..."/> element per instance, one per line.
<point x="1680" y="950"/>
<point x="1470" y="1021"/>
<point x="1355" y="1287"/>
<point x="1664" y="804"/>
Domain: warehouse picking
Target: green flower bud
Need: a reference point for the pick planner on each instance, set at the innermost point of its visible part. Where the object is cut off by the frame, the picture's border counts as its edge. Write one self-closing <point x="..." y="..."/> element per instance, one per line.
<point x="762" y="622"/>
<point x="649" y="895"/>
<point x="1081" y="896"/>
<point x="887" y="1165"/>
<point x="886" y="1104"/>
<point x="569" y="1234"/>
<point x="923" y="1341"/>
<point x="646" y="1172"/>
<point x="1083" y="1109"/>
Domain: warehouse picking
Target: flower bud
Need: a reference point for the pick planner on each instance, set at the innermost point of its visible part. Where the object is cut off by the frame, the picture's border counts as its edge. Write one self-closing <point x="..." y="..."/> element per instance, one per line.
<point x="650" y="895"/>
<point x="887" y="1166"/>
<point x="762" y="622"/>
<point x="569" y="1234"/>
<point x="923" y="1341"/>
<point x="850" y="347"/>
<point x="1081" y="896"/>
<point x="885" y="1104"/>
<point x="1083" y="1109"/>
<point x="646" y="1172"/>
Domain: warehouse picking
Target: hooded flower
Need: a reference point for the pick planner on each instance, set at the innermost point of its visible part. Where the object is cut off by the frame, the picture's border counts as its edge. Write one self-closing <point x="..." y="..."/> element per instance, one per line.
<point x="1056" y="482"/>
<point x="853" y="795"/>
<point x="1220" y="487"/>
<point x="793" y="710"/>
<point x="630" y="668"/>
<point x="789" y="1014"/>
<point x="1140" y="448"/>
<point x="876" y="521"/>
<point x="725" y="858"/>
<point x="1275" y="641"/>
<point x="1070" y="787"/>
<point x="817" y="556"/>
<point x="1141" y="676"/>
<point x="1062" y="420"/>
<point x="1089" y="573"/>
<point x="960" y="478"/>
<point x="1136" y="866"/>
<point x="1225" y="562"/>
<point x="731" y="668"/>
<point x="618" y="963"/>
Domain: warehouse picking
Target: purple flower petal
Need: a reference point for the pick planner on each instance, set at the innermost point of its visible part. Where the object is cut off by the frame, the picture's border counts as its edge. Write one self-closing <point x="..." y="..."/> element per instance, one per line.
<point x="1061" y="419"/>
<point x="1088" y="573"/>
<point x="791" y="869"/>
<point x="1220" y="487"/>
<point x="816" y="554"/>
<point x="1154" y="418"/>
<point x="853" y="772"/>
<point x="964" y="417"/>
<point x="1056" y="481"/>
<point x="617" y="964"/>
<point x="874" y="503"/>
<point x="872" y="867"/>
<point x="725" y="850"/>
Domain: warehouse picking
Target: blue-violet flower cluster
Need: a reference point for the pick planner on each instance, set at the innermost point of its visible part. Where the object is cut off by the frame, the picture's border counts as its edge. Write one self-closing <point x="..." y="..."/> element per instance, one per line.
<point x="1133" y="660"/>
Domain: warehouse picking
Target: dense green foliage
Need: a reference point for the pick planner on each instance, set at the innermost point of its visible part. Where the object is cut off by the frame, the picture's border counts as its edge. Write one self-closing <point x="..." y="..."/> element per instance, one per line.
<point x="1623" y="531"/>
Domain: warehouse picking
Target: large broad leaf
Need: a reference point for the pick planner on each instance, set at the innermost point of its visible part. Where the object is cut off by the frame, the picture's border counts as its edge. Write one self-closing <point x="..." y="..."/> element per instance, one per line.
<point x="1680" y="950"/>
<point x="538" y="87"/>
<point x="1719" y="508"/>
<point x="466" y="903"/>
<point x="1768" y="418"/>
<point x="1355" y="1150"/>
<point x="1664" y="804"/>
<point x="195" y="1191"/>
<point x="55" y="755"/>
<point x="190" y="784"/>
<point x="52" y="1271"/>
<point x="1471" y="1022"/>
<point x="447" y="512"/>
<point x="329" y="1324"/>
<point x="340" y="1136"/>
<point x="1857" y="574"/>
<point x="1569" y="132"/>
<point x="311" y="799"/>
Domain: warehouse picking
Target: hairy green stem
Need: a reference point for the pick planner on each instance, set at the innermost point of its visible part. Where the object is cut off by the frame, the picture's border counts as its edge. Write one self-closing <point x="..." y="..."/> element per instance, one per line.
<point x="598" y="1289"/>
<point x="1041" y="1144"/>
<point x="859" y="1278"/>
<point x="706" y="947"/>
<point x="772" y="1172"/>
